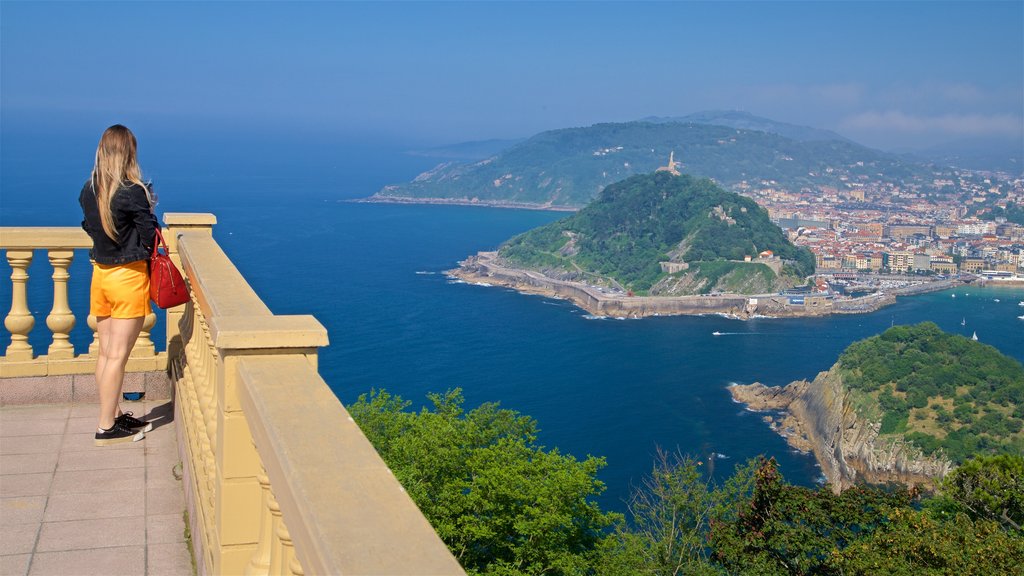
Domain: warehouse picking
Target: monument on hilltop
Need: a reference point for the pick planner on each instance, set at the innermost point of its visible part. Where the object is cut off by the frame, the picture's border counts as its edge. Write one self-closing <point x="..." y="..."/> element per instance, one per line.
<point x="671" y="168"/>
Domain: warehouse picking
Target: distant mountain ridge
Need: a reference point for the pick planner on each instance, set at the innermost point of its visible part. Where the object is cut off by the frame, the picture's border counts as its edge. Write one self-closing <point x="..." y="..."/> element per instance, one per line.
<point x="567" y="168"/>
<point x="747" y="121"/>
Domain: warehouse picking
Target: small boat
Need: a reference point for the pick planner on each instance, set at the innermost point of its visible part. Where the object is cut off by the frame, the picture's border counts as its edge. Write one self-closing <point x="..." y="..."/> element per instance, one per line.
<point x="975" y="337"/>
<point x="1021" y="317"/>
<point x="716" y="333"/>
<point x="963" y="322"/>
<point x="1021" y="303"/>
<point x="995" y="299"/>
<point x="953" y="295"/>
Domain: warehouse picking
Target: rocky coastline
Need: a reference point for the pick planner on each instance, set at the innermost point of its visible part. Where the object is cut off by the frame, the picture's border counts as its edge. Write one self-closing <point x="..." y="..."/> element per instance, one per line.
<point x="818" y="417"/>
<point x="485" y="268"/>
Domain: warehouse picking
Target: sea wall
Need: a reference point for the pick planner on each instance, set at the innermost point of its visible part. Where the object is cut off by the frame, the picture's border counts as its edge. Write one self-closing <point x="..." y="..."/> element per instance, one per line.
<point x="483" y="268"/>
<point x="819" y="417"/>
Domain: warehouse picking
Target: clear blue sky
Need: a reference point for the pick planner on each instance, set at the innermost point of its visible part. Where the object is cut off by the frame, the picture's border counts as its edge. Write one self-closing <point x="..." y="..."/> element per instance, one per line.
<point x="886" y="74"/>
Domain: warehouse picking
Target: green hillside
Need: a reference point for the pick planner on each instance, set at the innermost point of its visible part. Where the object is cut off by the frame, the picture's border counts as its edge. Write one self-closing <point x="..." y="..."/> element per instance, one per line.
<point x="941" y="391"/>
<point x="568" y="167"/>
<point x="635" y="224"/>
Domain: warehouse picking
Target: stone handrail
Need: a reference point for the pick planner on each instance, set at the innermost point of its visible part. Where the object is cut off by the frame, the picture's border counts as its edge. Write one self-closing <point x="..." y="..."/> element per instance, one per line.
<point x="60" y="243"/>
<point x="279" y="479"/>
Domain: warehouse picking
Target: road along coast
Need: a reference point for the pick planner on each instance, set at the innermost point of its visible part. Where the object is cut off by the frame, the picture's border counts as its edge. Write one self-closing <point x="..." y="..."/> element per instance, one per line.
<point x="464" y="202"/>
<point x="486" y="268"/>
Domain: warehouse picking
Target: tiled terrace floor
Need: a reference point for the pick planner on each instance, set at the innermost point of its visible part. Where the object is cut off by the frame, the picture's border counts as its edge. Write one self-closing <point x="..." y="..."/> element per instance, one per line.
<point x="68" y="507"/>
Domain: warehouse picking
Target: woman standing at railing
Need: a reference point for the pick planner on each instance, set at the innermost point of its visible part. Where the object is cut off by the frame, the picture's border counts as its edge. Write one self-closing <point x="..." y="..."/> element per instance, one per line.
<point x="118" y="210"/>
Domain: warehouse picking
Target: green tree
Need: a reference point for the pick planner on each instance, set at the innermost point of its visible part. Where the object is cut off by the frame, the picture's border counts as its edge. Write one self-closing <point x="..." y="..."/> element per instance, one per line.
<point x="785" y="529"/>
<point x="990" y="487"/>
<point x="912" y="543"/>
<point x="502" y="504"/>
<point x="670" y="519"/>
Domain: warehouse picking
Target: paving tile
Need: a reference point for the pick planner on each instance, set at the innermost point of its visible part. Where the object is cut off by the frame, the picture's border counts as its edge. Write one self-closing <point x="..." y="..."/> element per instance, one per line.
<point x="95" y="562"/>
<point x="28" y="463"/>
<point x="83" y="441"/>
<point x="29" y="444"/>
<point x="163" y="478"/>
<point x="86" y="481"/>
<point x="123" y="503"/>
<point x="162" y="501"/>
<point x="165" y="528"/>
<point x="22" y="509"/>
<point x="17" y="538"/>
<point x="42" y="412"/>
<point x="81" y="424"/>
<point x="25" y="484"/>
<point x="102" y="459"/>
<point x="168" y="560"/>
<point x="31" y="427"/>
<point x="92" y="533"/>
<point x="83" y="410"/>
<point x="14" y="565"/>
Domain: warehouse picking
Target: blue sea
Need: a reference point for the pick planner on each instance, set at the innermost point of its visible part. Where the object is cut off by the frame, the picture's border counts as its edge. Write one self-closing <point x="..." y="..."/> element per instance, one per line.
<point x="374" y="276"/>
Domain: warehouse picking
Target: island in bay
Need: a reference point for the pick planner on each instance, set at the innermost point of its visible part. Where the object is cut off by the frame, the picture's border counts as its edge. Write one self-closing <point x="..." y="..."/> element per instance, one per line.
<point x="904" y="406"/>
<point x="667" y="243"/>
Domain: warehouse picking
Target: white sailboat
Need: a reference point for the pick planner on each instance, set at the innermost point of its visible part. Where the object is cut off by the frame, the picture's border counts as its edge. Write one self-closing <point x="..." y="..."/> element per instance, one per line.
<point x="975" y="337"/>
<point x="963" y="322"/>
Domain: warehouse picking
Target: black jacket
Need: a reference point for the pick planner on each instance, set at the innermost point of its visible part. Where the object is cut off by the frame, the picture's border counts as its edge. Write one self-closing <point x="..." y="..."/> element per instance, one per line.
<point x="133" y="220"/>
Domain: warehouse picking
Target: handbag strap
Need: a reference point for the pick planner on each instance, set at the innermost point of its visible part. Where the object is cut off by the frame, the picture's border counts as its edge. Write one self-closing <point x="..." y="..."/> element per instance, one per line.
<point x="158" y="242"/>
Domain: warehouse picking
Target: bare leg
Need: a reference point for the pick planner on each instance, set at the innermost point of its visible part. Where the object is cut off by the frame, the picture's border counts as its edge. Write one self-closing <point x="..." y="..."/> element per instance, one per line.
<point x="117" y="337"/>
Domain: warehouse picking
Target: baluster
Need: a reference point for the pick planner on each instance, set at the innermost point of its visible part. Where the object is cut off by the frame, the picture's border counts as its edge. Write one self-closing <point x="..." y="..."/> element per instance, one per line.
<point x="287" y="551"/>
<point x="276" y="549"/>
<point x="61" y="320"/>
<point x="144" y="344"/>
<point x="94" y="346"/>
<point x="19" y="321"/>
<point x="294" y="565"/>
<point x="259" y="564"/>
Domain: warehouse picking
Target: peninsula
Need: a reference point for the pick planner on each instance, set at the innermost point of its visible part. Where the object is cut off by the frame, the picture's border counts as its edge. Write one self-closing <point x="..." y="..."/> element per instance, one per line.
<point x="900" y="407"/>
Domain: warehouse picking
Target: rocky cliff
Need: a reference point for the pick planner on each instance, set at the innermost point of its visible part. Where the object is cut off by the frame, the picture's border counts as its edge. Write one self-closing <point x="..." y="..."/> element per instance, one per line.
<point x="819" y="416"/>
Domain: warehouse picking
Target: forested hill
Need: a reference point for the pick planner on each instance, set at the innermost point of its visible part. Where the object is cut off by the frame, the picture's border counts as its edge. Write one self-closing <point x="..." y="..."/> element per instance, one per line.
<point x="568" y="167"/>
<point x="941" y="391"/>
<point x="636" y="224"/>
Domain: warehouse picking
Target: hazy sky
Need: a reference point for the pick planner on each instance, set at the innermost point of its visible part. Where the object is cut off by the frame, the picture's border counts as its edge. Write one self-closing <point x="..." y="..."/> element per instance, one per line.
<point x="886" y="74"/>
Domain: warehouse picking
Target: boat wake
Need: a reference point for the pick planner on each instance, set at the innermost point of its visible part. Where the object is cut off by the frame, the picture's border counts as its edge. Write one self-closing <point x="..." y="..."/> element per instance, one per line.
<point x="425" y="273"/>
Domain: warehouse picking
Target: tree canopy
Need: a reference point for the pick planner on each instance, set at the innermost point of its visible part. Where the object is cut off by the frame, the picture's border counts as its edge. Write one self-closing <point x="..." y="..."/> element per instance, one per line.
<point x="943" y="391"/>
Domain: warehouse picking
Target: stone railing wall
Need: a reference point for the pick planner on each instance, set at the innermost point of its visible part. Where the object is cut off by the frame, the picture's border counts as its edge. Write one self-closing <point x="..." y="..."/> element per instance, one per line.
<point x="279" y="478"/>
<point x="57" y="373"/>
<point x="61" y="246"/>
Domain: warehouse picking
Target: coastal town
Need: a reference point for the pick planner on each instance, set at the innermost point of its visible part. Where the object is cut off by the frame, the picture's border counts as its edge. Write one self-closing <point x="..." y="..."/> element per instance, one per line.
<point x="867" y="233"/>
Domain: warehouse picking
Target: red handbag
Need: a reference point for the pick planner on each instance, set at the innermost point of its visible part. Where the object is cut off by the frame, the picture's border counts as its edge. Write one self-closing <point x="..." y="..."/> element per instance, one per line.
<point x="166" y="286"/>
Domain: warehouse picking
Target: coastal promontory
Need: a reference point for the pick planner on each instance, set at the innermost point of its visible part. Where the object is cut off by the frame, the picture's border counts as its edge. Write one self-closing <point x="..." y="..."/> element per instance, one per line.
<point x="907" y="406"/>
<point x="655" y="237"/>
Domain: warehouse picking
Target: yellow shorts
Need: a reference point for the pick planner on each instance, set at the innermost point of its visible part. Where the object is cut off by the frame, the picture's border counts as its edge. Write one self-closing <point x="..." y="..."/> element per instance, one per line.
<point x="120" y="291"/>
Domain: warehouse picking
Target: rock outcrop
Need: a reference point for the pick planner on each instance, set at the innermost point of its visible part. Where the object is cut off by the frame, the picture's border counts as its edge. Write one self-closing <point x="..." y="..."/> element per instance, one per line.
<point x="818" y="416"/>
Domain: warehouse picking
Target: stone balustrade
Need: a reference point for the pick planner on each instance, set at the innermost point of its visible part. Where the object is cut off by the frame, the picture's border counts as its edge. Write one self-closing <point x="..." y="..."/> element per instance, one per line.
<point x="278" y="478"/>
<point x="61" y="245"/>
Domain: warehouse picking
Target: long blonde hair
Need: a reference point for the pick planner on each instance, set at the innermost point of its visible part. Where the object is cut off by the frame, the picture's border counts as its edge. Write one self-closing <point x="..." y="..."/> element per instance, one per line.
<point x="116" y="165"/>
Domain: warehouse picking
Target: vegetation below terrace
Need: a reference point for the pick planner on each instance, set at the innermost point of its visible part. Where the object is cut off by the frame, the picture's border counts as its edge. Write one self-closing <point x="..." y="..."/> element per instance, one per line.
<point x="943" y="392"/>
<point x="621" y="238"/>
<point x="506" y="506"/>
